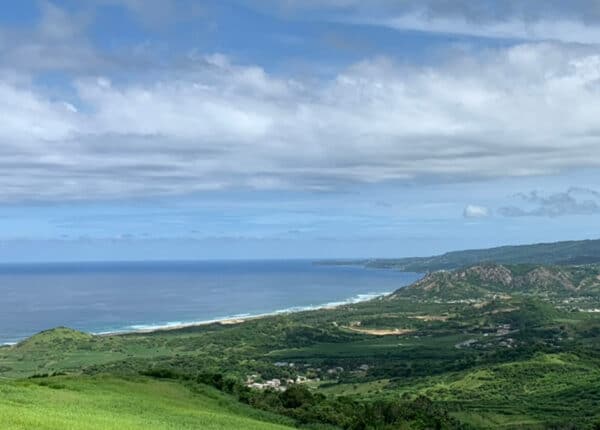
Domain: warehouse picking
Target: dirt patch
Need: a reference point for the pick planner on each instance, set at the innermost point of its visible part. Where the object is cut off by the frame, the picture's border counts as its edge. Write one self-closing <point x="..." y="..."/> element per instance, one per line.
<point x="430" y="317"/>
<point x="232" y="321"/>
<point x="480" y="305"/>
<point x="503" y="310"/>
<point x="382" y="332"/>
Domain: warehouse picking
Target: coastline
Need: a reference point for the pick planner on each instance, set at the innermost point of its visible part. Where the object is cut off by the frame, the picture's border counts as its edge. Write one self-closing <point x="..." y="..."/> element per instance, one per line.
<point x="226" y="320"/>
<point x="305" y="287"/>
<point x="235" y="319"/>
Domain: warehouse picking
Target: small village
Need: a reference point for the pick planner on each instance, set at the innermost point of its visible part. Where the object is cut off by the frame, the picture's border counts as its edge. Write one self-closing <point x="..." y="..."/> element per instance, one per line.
<point x="312" y="376"/>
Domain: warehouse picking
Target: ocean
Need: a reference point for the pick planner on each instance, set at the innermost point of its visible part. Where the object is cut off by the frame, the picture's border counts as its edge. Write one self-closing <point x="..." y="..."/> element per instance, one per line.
<point x="118" y="297"/>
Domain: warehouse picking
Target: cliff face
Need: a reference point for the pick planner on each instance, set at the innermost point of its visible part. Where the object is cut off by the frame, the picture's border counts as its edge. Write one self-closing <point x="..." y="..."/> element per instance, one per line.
<point x="483" y="280"/>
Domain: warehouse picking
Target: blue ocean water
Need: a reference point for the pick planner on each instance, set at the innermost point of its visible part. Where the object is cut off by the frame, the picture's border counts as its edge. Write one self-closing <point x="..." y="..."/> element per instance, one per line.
<point x="114" y="297"/>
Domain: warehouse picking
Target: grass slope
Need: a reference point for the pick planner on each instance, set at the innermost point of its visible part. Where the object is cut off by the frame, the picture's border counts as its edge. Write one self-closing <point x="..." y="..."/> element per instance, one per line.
<point x="106" y="403"/>
<point x="525" y="393"/>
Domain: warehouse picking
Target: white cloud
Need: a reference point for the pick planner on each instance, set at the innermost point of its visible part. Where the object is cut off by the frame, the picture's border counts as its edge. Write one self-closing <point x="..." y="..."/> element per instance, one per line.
<point x="525" y="110"/>
<point x="57" y="42"/>
<point x="514" y="28"/>
<point x="474" y="211"/>
<point x="575" y="21"/>
<point x="574" y="201"/>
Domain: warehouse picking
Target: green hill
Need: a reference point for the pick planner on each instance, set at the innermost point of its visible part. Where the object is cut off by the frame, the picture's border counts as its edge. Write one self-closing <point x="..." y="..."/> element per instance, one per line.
<point x="562" y="253"/>
<point x="107" y="403"/>
<point x="487" y="280"/>
<point x="59" y="337"/>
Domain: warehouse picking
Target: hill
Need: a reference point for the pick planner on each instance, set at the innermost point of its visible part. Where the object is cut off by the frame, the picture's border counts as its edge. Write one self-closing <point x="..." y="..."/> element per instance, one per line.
<point x="106" y="403"/>
<point x="488" y="280"/>
<point x="59" y="337"/>
<point x="557" y="253"/>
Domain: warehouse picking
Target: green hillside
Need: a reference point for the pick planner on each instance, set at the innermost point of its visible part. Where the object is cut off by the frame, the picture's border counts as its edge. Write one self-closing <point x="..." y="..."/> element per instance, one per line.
<point x="487" y="280"/>
<point x="561" y="253"/>
<point x="107" y="403"/>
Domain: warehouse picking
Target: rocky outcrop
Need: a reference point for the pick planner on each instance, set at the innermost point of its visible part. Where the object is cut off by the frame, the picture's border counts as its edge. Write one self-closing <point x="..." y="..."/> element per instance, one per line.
<point x="547" y="278"/>
<point x="488" y="274"/>
<point x="489" y="279"/>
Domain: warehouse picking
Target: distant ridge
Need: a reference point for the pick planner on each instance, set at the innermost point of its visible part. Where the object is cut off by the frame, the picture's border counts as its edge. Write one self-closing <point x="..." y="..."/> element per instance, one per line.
<point x="557" y="253"/>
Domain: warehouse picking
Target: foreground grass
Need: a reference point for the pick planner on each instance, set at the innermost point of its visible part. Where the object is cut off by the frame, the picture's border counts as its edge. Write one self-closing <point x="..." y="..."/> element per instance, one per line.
<point x="107" y="403"/>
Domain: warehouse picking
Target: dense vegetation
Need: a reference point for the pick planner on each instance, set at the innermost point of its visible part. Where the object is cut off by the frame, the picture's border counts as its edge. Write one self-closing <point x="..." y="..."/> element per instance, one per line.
<point x="488" y="346"/>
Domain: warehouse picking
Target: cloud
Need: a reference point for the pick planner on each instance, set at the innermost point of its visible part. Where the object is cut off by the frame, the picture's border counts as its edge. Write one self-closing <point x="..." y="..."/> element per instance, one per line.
<point x="60" y="41"/>
<point x="208" y="122"/>
<point x="57" y="43"/>
<point x="512" y="19"/>
<point x="574" y="201"/>
<point x="212" y="123"/>
<point x="515" y="28"/>
<point x="473" y="211"/>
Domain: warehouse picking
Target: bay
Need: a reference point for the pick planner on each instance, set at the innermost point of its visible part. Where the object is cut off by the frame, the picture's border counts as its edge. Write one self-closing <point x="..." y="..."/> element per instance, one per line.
<point x="116" y="297"/>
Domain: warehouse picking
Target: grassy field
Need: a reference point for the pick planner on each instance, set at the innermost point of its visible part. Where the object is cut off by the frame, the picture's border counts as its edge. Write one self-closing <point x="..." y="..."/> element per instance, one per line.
<point x="108" y="403"/>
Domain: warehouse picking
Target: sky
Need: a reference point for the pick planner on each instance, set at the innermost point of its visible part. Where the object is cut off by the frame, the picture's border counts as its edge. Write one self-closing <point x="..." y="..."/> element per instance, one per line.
<point x="242" y="129"/>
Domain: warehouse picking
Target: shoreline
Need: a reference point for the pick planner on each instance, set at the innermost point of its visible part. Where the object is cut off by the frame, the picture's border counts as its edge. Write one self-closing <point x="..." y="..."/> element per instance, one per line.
<point x="238" y="318"/>
<point x="225" y="320"/>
